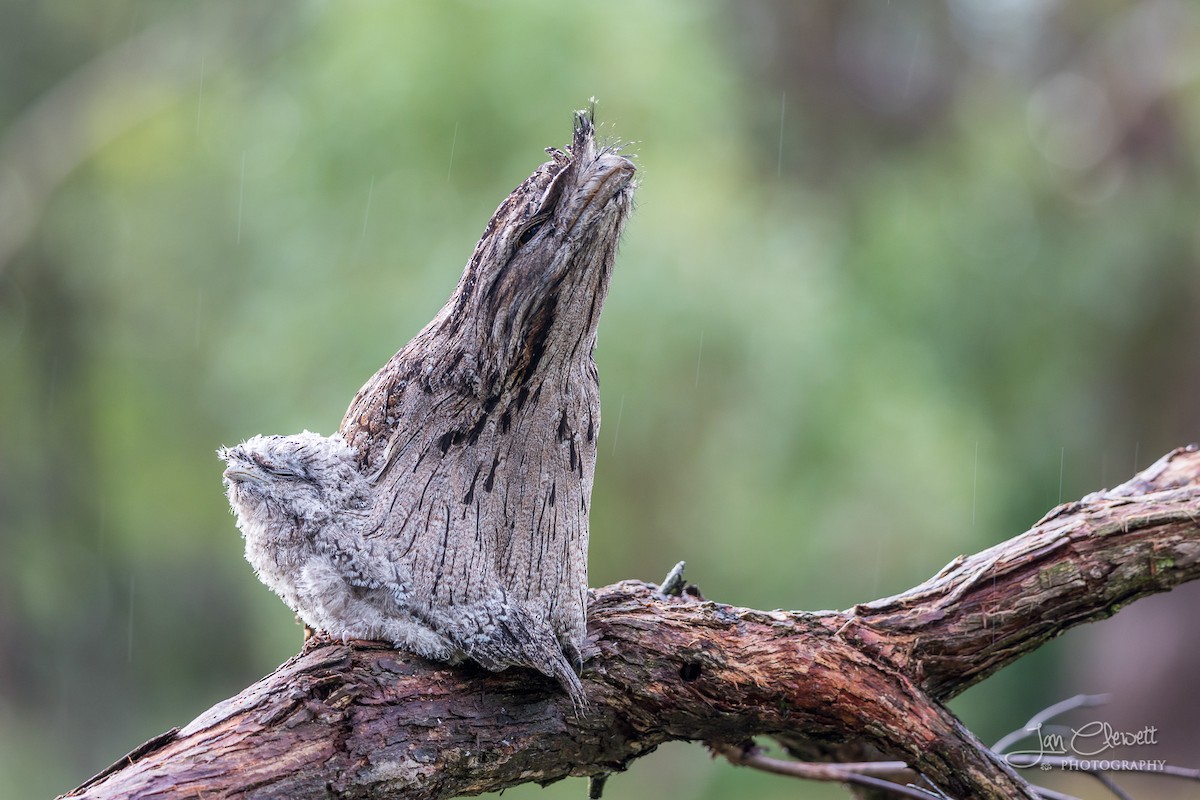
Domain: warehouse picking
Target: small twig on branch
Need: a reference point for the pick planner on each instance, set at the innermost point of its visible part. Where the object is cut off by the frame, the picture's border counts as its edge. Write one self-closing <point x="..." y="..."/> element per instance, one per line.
<point x="1175" y="772"/>
<point x="858" y="774"/>
<point x="596" y="785"/>
<point x="1050" y="794"/>
<point x="1046" y="714"/>
<point x="1023" y="761"/>
<point x="672" y="585"/>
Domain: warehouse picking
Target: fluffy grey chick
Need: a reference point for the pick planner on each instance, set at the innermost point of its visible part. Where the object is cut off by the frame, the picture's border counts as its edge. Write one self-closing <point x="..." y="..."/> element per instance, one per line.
<point x="301" y="503"/>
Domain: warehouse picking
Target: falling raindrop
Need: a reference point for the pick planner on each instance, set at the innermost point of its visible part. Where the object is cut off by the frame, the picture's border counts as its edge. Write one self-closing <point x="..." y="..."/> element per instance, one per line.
<point x="975" y="485"/>
<point x="1062" y="461"/>
<point x="129" y="648"/>
<point x="367" y="212"/>
<point x="200" y="97"/>
<point x="617" y="428"/>
<point x="199" y="305"/>
<point x="241" y="197"/>
<point x="782" y="112"/>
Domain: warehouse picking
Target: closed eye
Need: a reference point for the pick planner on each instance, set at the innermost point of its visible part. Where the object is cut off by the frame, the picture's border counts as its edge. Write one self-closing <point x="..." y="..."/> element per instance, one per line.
<point x="281" y="472"/>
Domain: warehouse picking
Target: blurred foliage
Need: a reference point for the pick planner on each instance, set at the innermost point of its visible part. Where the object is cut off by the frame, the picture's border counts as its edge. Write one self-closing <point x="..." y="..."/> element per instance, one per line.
<point x="901" y="278"/>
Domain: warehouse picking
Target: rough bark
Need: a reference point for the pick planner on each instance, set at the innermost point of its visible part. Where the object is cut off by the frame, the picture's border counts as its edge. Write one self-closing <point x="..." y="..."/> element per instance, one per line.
<point x="362" y="720"/>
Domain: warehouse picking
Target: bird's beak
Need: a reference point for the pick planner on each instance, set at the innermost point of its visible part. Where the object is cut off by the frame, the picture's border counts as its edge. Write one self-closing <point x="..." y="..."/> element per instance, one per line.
<point x="238" y="470"/>
<point x="237" y="474"/>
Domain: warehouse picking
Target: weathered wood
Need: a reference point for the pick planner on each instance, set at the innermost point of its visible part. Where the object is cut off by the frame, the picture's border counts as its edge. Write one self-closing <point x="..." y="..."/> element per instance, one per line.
<point x="353" y="721"/>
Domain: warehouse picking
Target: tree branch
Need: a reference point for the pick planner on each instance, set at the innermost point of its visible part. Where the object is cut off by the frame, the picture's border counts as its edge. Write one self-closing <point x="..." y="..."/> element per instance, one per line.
<point x="348" y="721"/>
<point x="1082" y="562"/>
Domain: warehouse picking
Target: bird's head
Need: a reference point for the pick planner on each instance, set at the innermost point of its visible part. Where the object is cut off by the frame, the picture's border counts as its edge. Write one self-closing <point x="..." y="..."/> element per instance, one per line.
<point x="306" y="479"/>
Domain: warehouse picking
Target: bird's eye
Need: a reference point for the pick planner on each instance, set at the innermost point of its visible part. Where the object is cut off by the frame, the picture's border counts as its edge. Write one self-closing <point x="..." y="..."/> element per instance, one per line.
<point x="276" y="470"/>
<point x="531" y="228"/>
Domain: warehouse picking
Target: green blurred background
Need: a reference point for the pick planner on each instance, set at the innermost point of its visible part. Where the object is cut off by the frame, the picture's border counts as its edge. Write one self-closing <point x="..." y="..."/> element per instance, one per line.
<point x="901" y="277"/>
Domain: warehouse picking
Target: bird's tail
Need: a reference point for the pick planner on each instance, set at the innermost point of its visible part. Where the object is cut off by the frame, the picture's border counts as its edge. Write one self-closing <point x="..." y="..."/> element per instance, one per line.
<point x="519" y="641"/>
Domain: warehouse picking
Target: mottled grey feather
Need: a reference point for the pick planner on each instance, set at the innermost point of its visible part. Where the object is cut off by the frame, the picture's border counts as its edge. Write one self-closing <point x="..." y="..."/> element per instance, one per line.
<point x="449" y="515"/>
